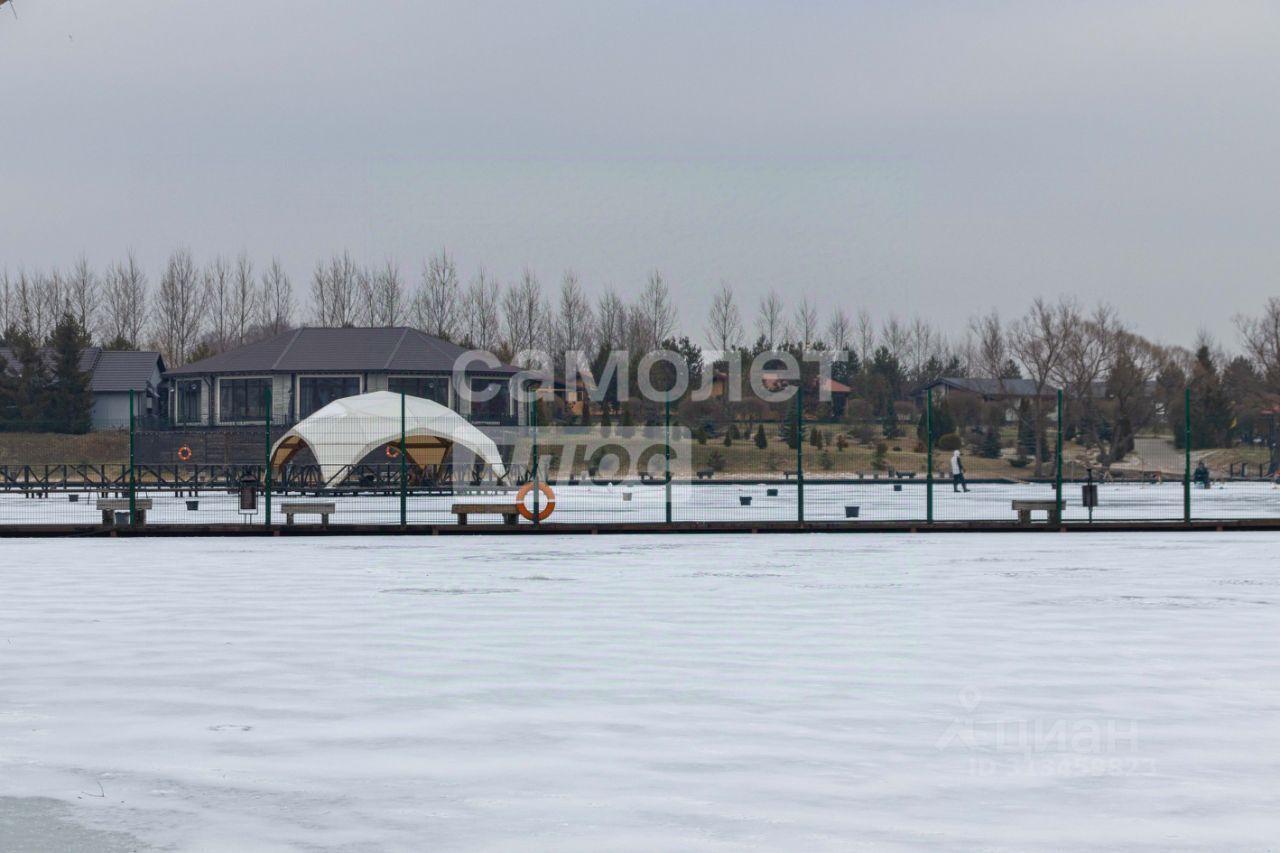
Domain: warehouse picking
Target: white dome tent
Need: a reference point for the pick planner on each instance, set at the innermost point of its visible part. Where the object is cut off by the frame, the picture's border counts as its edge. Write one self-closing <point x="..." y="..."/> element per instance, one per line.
<point x="347" y="430"/>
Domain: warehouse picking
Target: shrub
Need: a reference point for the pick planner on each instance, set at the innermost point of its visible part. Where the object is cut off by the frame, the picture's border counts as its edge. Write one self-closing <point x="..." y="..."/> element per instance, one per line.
<point x="842" y="443"/>
<point x="878" y="458"/>
<point x="826" y="461"/>
<point x="715" y="461"/>
<point x="949" y="442"/>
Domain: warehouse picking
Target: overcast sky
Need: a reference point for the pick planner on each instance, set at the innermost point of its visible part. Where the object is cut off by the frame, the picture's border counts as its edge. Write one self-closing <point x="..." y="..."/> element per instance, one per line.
<point x="919" y="157"/>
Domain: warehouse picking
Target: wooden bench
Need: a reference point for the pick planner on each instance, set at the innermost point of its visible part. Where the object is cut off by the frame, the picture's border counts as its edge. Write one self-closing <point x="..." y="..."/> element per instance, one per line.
<point x="706" y="473"/>
<point x="1025" y="508"/>
<point x="322" y="510"/>
<point x="110" y="506"/>
<point x="509" y="512"/>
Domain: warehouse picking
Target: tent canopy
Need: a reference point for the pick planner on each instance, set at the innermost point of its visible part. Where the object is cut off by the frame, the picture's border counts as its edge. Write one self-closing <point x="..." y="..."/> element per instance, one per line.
<point x="347" y="430"/>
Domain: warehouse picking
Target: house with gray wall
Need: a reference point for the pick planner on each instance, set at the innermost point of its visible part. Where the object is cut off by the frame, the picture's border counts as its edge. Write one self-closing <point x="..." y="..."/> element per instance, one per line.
<point x="306" y="369"/>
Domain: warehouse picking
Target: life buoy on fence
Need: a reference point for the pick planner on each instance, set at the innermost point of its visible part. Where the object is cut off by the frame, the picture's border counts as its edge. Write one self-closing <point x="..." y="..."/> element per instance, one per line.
<point x="393" y="452"/>
<point x="546" y="509"/>
<point x="184" y="453"/>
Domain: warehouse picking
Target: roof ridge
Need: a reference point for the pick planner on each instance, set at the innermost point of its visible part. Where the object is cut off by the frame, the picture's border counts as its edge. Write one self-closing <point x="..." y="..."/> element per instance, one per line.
<point x="404" y="332"/>
<point x="293" y="340"/>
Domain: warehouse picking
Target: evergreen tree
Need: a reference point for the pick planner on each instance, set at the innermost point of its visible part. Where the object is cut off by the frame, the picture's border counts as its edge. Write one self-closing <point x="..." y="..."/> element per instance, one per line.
<point x="1026" y="429"/>
<point x="762" y="440"/>
<point x="25" y="386"/>
<point x="889" y="422"/>
<point x="69" y="399"/>
<point x="941" y="423"/>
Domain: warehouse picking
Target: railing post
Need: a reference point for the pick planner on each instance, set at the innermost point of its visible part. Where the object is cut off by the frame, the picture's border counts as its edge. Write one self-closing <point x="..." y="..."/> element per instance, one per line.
<point x="266" y="490"/>
<point x="1186" y="449"/>
<point x="1057" y="476"/>
<point x="928" y="440"/>
<point x="133" y="485"/>
<point x="666" y="449"/>
<point x="404" y="468"/>
<point x="800" y="451"/>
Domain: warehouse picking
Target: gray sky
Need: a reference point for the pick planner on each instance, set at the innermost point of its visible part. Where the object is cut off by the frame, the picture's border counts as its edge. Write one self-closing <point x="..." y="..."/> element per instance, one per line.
<point x="919" y="157"/>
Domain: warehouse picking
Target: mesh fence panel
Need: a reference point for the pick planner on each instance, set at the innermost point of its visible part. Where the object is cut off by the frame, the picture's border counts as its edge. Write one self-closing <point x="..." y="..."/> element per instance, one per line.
<point x="755" y="466"/>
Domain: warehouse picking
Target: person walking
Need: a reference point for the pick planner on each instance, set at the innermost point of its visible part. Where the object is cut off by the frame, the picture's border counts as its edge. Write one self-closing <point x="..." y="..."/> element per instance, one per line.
<point x="957" y="473"/>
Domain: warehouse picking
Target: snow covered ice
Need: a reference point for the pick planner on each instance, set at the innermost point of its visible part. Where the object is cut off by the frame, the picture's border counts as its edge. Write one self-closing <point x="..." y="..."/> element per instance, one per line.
<point x="1009" y="691"/>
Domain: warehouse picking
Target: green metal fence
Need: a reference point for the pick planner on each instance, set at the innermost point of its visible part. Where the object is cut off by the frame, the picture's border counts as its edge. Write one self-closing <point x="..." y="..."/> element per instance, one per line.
<point x="793" y="462"/>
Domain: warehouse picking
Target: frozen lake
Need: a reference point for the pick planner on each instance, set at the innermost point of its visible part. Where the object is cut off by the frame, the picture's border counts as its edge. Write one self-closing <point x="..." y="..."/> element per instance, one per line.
<point x="876" y="501"/>
<point x="642" y="692"/>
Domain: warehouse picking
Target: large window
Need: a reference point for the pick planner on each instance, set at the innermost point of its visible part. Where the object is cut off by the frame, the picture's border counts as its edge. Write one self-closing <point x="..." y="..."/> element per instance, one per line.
<point x="316" y="392"/>
<point x="428" y="388"/>
<point x="242" y="400"/>
<point x="490" y="400"/>
<point x="188" y="402"/>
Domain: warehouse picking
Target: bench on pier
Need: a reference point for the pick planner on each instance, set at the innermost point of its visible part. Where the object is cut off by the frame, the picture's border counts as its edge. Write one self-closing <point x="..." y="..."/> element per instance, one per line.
<point x="1024" y="508"/>
<point x="324" y="510"/>
<point x="509" y="512"/>
<point x="706" y="473"/>
<point x="110" y="506"/>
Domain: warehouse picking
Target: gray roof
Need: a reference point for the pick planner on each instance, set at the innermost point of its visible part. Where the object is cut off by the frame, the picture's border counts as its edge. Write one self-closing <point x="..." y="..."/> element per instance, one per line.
<point x="992" y="387"/>
<point x="120" y="370"/>
<point x="362" y="350"/>
<point x="109" y="370"/>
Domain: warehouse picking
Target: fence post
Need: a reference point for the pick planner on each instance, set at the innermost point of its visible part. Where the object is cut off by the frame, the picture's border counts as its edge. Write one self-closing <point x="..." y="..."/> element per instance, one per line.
<point x="266" y="491"/>
<point x="1186" y="449"/>
<point x="533" y="420"/>
<point x="133" y="485"/>
<point x="928" y="440"/>
<point x="666" y="449"/>
<point x="404" y="469"/>
<point x="800" y="451"/>
<point x="1057" y="476"/>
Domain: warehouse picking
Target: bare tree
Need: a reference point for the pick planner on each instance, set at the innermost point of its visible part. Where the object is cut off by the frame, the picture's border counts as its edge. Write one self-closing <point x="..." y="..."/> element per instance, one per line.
<point x="218" y="299"/>
<point x="1261" y="338"/>
<point x="769" y="319"/>
<point x="840" y="331"/>
<point x="1088" y="350"/>
<point x="525" y="314"/>
<point x="991" y="350"/>
<point x="806" y="323"/>
<point x="125" y="294"/>
<point x="895" y="337"/>
<point x="482" y="323"/>
<point x="83" y="297"/>
<point x="573" y="321"/>
<point x="1037" y="341"/>
<point x="334" y="292"/>
<point x="435" y="306"/>
<point x="180" y="310"/>
<point x="654" y="316"/>
<point x="6" y="302"/>
<point x="275" y="300"/>
<point x="866" y="336"/>
<point x="611" y="320"/>
<point x="244" y="300"/>
<point x="724" y="325"/>
<point x="390" y="295"/>
<point x="37" y="303"/>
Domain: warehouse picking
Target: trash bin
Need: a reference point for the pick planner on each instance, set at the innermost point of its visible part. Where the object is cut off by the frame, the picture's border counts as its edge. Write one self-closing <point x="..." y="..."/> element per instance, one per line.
<point x="122" y="518"/>
<point x="851" y="511"/>
<point x="248" y="493"/>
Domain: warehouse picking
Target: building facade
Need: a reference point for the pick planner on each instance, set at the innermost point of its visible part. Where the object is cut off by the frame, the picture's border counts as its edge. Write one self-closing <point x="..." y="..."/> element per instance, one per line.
<point x="306" y="369"/>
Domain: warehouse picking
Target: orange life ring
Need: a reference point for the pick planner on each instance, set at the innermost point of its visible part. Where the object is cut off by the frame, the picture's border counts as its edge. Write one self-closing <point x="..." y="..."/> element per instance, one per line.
<point x="184" y="453"/>
<point x="545" y="511"/>
<point x="393" y="452"/>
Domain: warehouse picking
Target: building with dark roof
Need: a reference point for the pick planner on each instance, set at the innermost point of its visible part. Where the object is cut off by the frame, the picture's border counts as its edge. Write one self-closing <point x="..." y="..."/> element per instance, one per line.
<point x="112" y="375"/>
<point x="306" y="369"/>
<point x="988" y="390"/>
